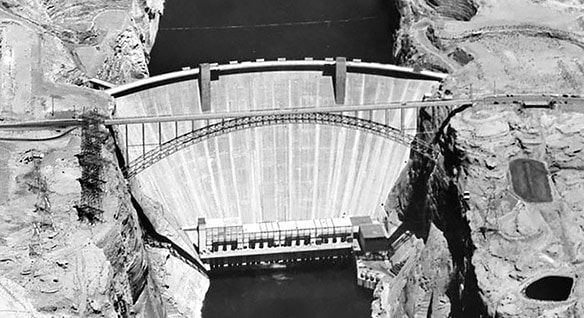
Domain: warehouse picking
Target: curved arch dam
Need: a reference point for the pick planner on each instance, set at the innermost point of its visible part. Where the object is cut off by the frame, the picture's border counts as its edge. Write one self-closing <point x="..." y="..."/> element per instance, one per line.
<point x="288" y="171"/>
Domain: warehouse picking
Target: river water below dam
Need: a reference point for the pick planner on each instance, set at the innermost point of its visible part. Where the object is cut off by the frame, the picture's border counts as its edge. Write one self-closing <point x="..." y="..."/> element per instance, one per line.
<point x="316" y="291"/>
<point x="194" y="32"/>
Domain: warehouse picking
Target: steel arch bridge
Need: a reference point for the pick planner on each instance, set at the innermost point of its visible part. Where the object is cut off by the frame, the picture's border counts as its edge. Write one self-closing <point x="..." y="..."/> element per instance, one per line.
<point x="181" y="142"/>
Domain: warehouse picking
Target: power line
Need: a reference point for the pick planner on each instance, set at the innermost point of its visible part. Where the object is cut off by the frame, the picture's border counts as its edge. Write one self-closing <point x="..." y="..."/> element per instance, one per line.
<point x="270" y="25"/>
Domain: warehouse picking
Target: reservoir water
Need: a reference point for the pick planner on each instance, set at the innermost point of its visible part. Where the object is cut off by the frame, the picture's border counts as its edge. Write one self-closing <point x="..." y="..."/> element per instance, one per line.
<point x="199" y="31"/>
<point x="315" y="291"/>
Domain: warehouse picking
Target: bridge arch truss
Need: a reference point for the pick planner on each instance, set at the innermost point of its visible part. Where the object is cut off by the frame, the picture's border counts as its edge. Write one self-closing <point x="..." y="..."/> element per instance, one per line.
<point x="227" y="126"/>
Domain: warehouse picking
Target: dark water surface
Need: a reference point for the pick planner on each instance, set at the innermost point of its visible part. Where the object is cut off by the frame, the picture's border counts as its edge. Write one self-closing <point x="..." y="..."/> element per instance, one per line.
<point x="324" y="291"/>
<point x="200" y="31"/>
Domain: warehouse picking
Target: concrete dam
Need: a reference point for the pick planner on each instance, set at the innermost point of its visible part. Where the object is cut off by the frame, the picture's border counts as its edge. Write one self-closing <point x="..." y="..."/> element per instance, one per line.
<point x="277" y="172"/>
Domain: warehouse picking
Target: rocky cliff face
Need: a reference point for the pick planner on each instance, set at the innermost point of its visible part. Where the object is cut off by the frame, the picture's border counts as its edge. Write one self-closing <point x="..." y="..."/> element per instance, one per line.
<point x="525" y="220"/>
<point x="428" y="201"/>
<point x="110" y="39"/>
<point x="71" y="240"/>
<point x="513" y="246"/>
<point x="504" y="248"/>
<point x="494" y="254"/>
<point x="66" y="258"/>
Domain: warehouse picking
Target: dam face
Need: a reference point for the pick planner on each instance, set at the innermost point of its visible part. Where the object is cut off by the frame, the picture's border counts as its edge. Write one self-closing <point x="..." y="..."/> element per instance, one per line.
<point x="277" y="172"/>
<point x="281" y="171"/>
<point x="193" y="32"/>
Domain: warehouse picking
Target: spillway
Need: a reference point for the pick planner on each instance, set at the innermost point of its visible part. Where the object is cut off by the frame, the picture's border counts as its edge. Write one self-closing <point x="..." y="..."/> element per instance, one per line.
<point x="290" y="171"/>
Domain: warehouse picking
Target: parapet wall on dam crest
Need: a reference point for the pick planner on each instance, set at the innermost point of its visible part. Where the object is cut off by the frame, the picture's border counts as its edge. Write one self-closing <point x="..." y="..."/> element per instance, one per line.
<point x="279" y="172"/>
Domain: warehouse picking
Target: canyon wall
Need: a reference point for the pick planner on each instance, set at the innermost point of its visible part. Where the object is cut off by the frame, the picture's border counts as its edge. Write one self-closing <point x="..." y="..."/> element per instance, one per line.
<point x="72" y="243"/>
<point x="66" y="253"/>
<point x="489" y="252"/>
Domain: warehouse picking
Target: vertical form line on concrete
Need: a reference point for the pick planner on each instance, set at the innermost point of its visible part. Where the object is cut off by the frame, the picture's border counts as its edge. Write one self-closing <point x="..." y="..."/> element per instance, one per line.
<point x="273" y="95"/>
<point x="331" y="171"/>
<point x="290" y="172"/>
<point x="361" y="173"/>
<point x="408" y="112"/>
<point x="257" y="200"/>
<point x="379" y="181"/>
<point x="234" y="168"/>
<point x="186" y="181"/>
<point x="127" y="148"/>
<point x="197" y="183"/>
<point x="143" y="140"/>
<point x="377" y="157"/>
<point x="362" y="95"/>
<point x="289" y="81"/>
<point x="222" y="190"/>
<point x="159" y="134"/>
<point x="378" y="91"/>
<point x="340" y="84"/>
<point x="315" y="172"/>
<point x="215" y="195"/>
<point x="402" y="99"/>
<point x="274" y="153"/>
<point x="349" y="184"/>
<point x="332" y="200"/>
<point x="205" y="86"/>
<point x="402" y="120"/>
<point x="390" y="113"/>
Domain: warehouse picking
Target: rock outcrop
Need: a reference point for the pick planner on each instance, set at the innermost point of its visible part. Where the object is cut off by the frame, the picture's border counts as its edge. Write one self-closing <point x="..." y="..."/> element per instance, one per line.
<point x="525" y="219"/>
<point x="71" y="240"/>
<point x="497" y="214"/>
<point x="509" y="236"/>
<point x="68" y="264"/>
<point x="111" y="39"/>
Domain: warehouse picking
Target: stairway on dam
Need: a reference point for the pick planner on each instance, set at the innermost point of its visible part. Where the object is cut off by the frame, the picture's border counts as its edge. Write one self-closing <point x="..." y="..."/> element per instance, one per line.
<point x="290" y="171"/>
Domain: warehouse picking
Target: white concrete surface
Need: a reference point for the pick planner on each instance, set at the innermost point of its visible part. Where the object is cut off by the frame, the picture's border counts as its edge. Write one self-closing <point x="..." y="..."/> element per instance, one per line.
<point x="280" y="172"/>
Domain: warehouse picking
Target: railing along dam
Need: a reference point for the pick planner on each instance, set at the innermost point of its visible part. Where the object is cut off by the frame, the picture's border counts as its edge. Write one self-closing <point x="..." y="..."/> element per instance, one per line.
<point x="288" y="170"/>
